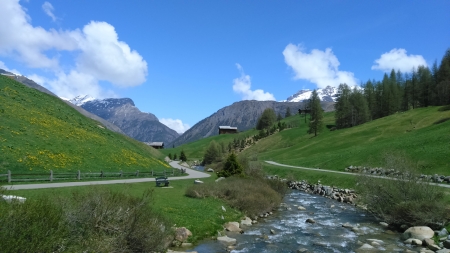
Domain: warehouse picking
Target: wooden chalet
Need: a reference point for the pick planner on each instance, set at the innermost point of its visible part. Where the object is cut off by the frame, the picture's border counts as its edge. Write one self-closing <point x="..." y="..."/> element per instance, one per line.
<point x="227" y="130"/>
<point x="156" y="145"/>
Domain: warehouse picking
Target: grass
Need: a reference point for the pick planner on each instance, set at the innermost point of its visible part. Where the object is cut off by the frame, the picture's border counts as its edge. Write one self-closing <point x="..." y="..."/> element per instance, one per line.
<point x="40" y="133"/>
<point x="201" y="216"/>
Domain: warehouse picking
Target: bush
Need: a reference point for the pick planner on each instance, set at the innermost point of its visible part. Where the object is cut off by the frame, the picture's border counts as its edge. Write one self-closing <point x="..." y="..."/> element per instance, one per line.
<point x="252" y="196"/>
<point x="403" y="199"/>
<point x="444" y="108"/>
<point x="231" y="167"/>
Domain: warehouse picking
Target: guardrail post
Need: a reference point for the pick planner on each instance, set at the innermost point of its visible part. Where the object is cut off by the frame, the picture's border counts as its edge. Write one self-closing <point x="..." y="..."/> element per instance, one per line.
<point x="9" y="176"/>
<point x="51" y="175"/>
<point x="137" y="173"/>
<point x="79" y="175"/>
<point x="121" y="173"/>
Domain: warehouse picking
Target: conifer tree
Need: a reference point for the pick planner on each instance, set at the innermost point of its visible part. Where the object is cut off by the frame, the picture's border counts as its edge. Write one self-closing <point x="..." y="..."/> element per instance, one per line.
<point x="288" y="112"/>
<point x="212" y="154"/>
<point x="183" y="157"/>
<point x="267" y="119"/>
<point x="170" y="156"/>
<point x="342" y="107"/>
<point x="231" y="167"/>
<point x="316" y="123"/>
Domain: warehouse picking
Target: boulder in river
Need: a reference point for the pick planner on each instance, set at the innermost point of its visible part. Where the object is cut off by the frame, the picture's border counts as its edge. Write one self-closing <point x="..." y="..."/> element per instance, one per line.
<point x="227" y="241"/>
<point x="419" y="232"/>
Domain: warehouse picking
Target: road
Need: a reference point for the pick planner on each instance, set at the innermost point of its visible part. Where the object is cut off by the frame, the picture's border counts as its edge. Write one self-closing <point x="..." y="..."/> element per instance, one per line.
<point x="341" y="172"/>
<point x="192" y="174"/>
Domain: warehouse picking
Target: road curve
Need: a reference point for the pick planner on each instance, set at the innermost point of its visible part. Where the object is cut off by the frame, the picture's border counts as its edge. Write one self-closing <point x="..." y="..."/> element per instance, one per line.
<point x="341" y="172"/>
<point x="192" y="174"/>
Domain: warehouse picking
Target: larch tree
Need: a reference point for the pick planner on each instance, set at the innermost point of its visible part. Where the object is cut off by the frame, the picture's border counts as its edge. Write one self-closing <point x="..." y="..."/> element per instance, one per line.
<point x="316" y="123"/>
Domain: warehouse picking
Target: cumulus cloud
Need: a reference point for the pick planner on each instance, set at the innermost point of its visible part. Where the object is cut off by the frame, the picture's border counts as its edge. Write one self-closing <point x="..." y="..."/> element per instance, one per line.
<point x="398" y="59"/>
<point x="3" y="66"/>
<point x="318" y="67"/>
<point x="242" y="85"/>
<point x="99" y="54"/>
<point x="175" y="124"/>
<point x="48" y="9"/>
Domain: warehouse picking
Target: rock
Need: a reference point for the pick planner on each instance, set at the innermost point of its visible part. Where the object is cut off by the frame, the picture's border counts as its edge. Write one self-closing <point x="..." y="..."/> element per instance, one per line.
<point x="272" y="232"/>
<point x="347" y="225"/>
<point x="375" y="240"/>
<point x="186" y="244"/>
<point x="309" y="220"/>
<point x="427" y="241"/>
<point x="219" y="179"/>
<point x="223" y="209"/>
<point x="408" y="241"/>
<point x="446" y="244"/>
<point x="232" y="227"/>
<point x="11" y="198"/>
<point x="302" y="250"/>
<point x="384" y="224"/>
<point x="301" y="208"/>
<point x="210" y="170"/>
<point x="365" y="247"/>
<point x="246" y="221"/>
<point x="443" y="251"/>
<point x="419" y="232"/>
<point x="433" y="247"/>
<point x="443" y="233"/>
<point x="227" y="241"/>
<point x="416" y="242"/>
<point x="198" y="181"/>
<point x="182" y="234"/>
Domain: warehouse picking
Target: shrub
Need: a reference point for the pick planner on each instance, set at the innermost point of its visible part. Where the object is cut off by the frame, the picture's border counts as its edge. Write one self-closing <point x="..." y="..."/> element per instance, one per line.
<point x="403" y="199"/>
<point x="231" y="167"/>
<point x="212" y="154"/>
<point x="183" y="157"/>
<point x="444" y="108"/>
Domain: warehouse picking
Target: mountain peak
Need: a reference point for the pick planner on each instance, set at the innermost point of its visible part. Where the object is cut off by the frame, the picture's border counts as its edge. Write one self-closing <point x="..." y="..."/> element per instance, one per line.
<point x="327" y="94"/>
<point x="80" y="99"/>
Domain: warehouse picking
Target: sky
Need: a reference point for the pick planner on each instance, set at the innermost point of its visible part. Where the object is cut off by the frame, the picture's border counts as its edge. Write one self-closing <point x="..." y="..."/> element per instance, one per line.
<point x="184" y="60"/>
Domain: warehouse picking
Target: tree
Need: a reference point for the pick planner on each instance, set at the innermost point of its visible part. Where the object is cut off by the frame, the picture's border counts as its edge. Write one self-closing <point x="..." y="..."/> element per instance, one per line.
<point x="342" y="106"/>
<point x="279" y="117"/>
<point x="183" y="157"/>
<point x="315" y="125"/>
<point x="267" y="119"/>
<point x="231" y="167"/>
<point x="212" y="154"/>
<point x="288" y="112"/>
<point x="170" y="156"/>
<point x="175" y="156"/>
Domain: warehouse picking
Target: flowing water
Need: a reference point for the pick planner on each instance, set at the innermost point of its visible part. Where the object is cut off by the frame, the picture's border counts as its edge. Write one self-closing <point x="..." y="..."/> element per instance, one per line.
<point x="293" y="233"/>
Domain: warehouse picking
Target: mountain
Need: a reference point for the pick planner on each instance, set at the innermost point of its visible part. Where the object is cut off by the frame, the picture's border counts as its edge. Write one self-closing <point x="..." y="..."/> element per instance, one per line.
<point x="30" y="83"/>
<point x="123" y="113"/>
<point x="81" y="99"/>
<point x="243" y="115"/>
<point x="328" y="94"/>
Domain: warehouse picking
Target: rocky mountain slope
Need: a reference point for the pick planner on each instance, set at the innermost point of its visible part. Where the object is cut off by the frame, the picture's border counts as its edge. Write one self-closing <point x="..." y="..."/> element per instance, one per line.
<point x="30" y="83"/>
<point x="243" y="115"/>
<point x="123" y="113"/>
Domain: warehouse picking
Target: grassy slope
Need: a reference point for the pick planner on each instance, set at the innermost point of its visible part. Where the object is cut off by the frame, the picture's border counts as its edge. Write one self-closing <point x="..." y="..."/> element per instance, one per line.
<point x="39" y="132"/>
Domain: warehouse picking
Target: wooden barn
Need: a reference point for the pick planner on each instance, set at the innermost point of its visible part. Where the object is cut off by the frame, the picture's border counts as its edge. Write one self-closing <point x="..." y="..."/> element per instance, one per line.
<point x="156" y="145"/>
<point x="227" y="130"/>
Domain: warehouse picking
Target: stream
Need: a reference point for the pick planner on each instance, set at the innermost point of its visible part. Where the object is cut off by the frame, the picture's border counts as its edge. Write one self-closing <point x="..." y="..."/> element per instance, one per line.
<point x="326" y="235"/>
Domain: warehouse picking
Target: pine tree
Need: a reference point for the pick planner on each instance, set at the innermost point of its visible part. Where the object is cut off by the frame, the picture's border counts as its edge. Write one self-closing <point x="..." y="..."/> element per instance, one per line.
<point x="369" y="94"/>
<point x="342" y="107"/>
<point x="170" y="156"/>
<point x="231" y="167"/>
<point x="212" y="154"/>
<point x="315" y="125"/>
<point x="175" y="157"/>
<point x="288" y="112"/>
<point x="183" y="157"/>
<point x="443" y="78"/>
<point x="267" y="119"/>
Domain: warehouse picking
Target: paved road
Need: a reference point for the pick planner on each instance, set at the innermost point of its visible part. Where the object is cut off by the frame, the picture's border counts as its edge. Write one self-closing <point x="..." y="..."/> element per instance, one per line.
<point x="341" y="172"/>
<point x="193" y="174"/>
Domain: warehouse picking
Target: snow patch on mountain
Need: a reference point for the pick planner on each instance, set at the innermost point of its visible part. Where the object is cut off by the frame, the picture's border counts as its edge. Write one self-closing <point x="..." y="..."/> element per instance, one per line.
<point x="80" y="100"/>
<point x="327" y="94"/>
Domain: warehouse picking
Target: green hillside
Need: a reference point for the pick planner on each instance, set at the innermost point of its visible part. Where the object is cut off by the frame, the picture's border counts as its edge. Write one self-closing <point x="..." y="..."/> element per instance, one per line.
<point x="412" y="133"/>
<point x="39" y="132"/>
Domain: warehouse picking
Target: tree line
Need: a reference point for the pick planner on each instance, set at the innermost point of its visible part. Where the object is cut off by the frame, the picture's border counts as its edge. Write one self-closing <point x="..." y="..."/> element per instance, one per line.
<point x="396" y="92"/>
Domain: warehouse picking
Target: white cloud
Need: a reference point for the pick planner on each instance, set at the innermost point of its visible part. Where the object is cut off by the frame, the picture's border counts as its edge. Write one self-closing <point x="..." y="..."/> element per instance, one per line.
<point x="398" y="59"/>
<point x="318" y="67"/>
<point x="3" y="66"/>
<point x="48" y="9"/>
<point x="242" y="85"/>
<point x="175" y="124"/>
<point x="99" y="54"/>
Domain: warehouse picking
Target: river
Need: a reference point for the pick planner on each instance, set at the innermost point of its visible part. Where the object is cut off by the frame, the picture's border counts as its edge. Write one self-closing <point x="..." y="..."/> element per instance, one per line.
<point x="325" y="235"/>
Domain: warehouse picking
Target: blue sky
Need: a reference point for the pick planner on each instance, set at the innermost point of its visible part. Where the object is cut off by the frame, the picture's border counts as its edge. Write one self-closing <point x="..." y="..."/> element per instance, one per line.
<point x="184" y="60"/>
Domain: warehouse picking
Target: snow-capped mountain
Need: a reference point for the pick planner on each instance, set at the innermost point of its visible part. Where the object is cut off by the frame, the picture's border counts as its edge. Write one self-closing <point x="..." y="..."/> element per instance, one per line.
<point x="80" y="100"/>
<point x="327" y="94"/>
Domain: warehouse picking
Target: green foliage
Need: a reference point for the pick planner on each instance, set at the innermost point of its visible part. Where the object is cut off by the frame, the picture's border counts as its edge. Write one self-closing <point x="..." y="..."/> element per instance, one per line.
<point x="444" y="108"/>
<point x="170" y="156"/>
<point x="267" y="119"/>
<point x="175" y="157"/>
<point x="288" y="112"/>
<point x="352" y="106"/>
<point x="183" y="157"/>
<point x="39" y="132"/>
<point x="405" y="200"/>
<point x="252" y="196"/>
<point x="212" y="154"/>
<point x="316" y="123"/>
<point x="231" y="167"/>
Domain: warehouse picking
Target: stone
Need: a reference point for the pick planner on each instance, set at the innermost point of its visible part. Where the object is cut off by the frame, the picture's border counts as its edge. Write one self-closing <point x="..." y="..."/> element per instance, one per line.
<point x="182" y="234"/>
<point x="446" y="244"/>
<point x="347" y="225"/>
<point x="433" y="247"/>
<point x="408" y="241"/>
<point x="427" y="241"/>
<point x="272" y="232"/>
<point x="246" y="221"/>
<point x="309" y="220"/>
<point x="219" y="179"/>
<point x="443" y="251"/>
<point x="365" y="247"/>
<point x="416" y="242"/>
<point x="384" y="224"/>
<point x="375" y="240"/>
<point x="232" y="227"/>
<point x="301" y="208"/>
<point x="227" y="241"/>
<point x="186" y="244"/>
<point x="419" y="232"/>
<point x="443" y="232"/>
<point x="210" y="170"/>
<point x="302" y="250"/>
<point x="198" y="181"/>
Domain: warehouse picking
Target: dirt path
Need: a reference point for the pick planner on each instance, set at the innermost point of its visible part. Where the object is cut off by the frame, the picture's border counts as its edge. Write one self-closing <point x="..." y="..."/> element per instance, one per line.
<point x="192" y="174"/>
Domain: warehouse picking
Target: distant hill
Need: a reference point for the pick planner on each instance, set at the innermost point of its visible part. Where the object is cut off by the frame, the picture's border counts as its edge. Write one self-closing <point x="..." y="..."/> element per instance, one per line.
<point x="30" y="83"/>
<point x="123" y="113"/>
<point x="40" y="132"/>
<point x="243" y="115"/>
